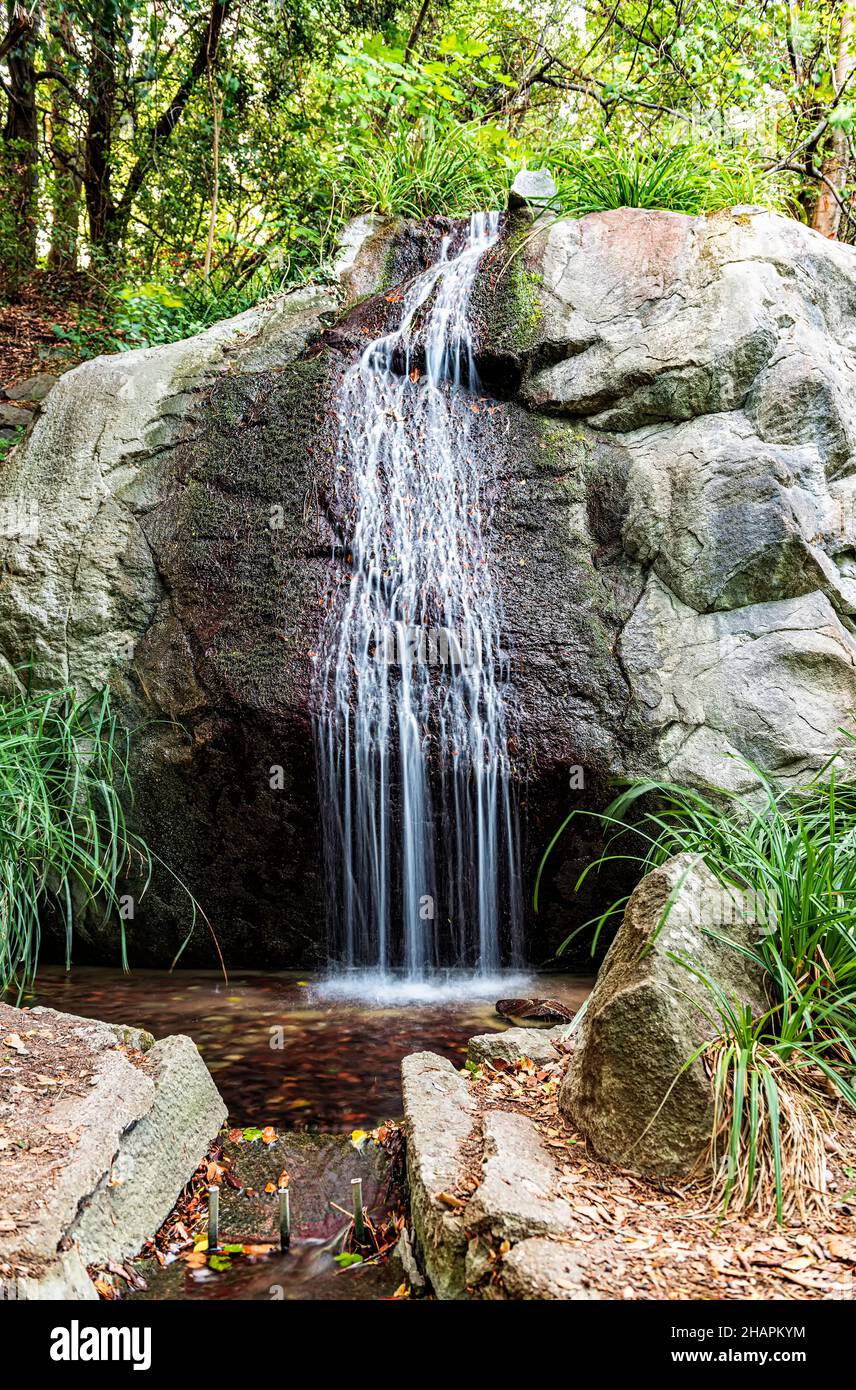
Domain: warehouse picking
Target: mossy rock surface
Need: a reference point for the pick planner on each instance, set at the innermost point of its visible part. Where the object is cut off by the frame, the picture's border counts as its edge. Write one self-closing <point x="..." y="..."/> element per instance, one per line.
<point x="666" y="441"/>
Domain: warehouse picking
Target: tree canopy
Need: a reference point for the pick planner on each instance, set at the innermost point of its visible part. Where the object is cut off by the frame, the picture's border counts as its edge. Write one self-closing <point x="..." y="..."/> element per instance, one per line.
<point x="191" y="152"/>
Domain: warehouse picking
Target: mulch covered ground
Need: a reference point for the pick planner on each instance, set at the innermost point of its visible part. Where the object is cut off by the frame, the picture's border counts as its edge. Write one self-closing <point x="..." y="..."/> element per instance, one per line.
<point x="28" y="340"/>
<point x="642" y="1240"/>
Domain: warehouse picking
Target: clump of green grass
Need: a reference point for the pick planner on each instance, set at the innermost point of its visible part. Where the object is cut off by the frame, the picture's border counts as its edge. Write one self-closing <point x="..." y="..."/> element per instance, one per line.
<point x="426" y="169"/>
<point x="64" y="841"/>
<point x="774" y="1077"/>
<point x="690" y="177"/>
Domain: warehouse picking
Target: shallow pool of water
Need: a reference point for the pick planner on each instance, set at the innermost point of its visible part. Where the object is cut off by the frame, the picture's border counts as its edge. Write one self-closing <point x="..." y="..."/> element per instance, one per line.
<point x="293" y="1052"/>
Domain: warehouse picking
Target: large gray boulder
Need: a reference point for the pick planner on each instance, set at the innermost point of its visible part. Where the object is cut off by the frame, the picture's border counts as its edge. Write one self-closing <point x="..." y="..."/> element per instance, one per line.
<point x="670" y="479"/>
<point x="635" y="1085"/>
<point x="706" y="368"/>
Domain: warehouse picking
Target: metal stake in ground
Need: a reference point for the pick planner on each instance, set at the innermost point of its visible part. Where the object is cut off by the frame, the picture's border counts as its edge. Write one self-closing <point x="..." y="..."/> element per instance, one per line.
<point x="213" y="1218"/>
<point x="284" y="1218"/>
<point x="359" y="1222"/>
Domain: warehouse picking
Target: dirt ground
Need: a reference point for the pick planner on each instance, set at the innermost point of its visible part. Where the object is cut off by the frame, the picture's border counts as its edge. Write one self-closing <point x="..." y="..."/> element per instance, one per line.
<point x="28" y="340"/>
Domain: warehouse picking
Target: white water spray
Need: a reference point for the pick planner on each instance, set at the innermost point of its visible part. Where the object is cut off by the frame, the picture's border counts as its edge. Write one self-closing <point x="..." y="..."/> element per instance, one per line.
<point x="420" y="833"/>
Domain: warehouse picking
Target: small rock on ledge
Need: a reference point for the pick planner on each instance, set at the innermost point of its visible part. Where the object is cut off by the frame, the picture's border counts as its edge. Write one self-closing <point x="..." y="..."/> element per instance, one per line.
<point x="532" y="187"/>
<point x="536" y="1043"/>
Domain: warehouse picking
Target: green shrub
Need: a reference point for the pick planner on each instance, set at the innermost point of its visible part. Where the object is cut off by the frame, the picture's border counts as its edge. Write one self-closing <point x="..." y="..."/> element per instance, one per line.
<point x="427" y="168"/>
<point x="64" y="843"/>
<point x="691" y="177"/>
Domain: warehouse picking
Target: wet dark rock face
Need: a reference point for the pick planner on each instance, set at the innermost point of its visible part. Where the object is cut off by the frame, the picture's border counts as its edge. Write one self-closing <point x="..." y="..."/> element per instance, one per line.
<point x="242" y="547"/>
<point x="668" y="439"/>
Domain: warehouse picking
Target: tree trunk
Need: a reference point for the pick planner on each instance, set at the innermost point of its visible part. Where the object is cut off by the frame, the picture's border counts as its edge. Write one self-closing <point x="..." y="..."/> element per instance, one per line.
<point x="20" y="148"/>
<point x="99" y="128"/>
<point x="64" y="156"/>
<point x="217" y="103"/>
<point x="836" y="165"/>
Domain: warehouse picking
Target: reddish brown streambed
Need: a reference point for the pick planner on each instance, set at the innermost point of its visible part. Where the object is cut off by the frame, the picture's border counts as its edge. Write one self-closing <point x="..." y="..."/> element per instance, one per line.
<point x="280" y="1055"/>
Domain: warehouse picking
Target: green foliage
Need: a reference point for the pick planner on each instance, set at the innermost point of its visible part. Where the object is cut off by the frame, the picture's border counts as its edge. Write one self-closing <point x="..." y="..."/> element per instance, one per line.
<point x="320" y="112"/>
<point x="792" y="853"/>
<point x="770" y="1112"/>
<point x="691" y="177"/>
<point x="8" y="444"/>
<point x="64" y="842"/>
<point x="143" y="315"/>
<point x="426" y="169"/>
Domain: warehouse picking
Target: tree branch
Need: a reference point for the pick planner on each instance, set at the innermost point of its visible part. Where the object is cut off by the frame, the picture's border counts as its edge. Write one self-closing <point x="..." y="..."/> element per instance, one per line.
<point x="20" y="29"/>
<point x="169" y="118"/>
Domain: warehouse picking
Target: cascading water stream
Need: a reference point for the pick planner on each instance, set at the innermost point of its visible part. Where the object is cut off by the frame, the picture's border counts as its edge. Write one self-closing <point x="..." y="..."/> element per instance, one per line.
<point x="420" y="833"/>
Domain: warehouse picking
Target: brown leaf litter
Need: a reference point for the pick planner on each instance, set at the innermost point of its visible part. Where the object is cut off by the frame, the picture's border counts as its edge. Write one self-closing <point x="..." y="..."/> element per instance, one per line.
<point x="42" y="1062"/>
<point x="647" y="1240"/>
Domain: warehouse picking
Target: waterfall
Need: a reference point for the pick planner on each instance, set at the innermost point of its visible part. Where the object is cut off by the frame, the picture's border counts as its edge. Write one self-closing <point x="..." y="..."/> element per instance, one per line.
<point x="412" y="686"/>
